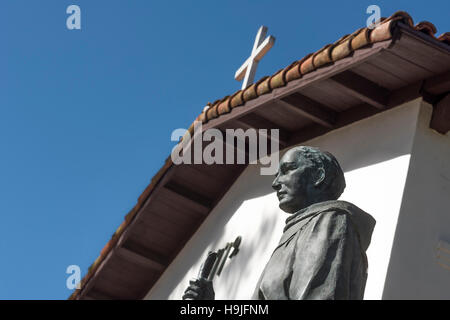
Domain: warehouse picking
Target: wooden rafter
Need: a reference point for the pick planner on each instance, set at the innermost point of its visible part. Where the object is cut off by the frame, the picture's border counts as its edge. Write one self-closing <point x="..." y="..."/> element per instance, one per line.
<point x="362" y="88"/>
<point x="182" y="194"/>
<point x="257" y="122"/>
<point x="438" y="85"/>
<point x="145" y="261"/>
<point x="440" y="120"/>
<point x="306" y="107"/>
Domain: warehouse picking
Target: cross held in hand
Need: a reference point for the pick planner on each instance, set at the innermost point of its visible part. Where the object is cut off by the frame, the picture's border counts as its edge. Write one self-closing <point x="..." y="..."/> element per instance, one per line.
<point x="261" y="46"/>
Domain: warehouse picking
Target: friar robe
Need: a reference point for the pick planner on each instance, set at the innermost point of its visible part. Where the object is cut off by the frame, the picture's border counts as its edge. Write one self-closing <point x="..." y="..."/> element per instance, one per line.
<point x="321" y="255"/>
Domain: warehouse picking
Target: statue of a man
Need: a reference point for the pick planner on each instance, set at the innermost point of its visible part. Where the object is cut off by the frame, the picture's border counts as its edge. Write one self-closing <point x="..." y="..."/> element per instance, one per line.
<point x="322" y="252"/>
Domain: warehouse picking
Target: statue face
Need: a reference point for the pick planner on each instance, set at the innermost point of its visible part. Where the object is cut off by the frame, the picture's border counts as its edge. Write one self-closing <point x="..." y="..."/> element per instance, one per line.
<point x="293" y="182"/>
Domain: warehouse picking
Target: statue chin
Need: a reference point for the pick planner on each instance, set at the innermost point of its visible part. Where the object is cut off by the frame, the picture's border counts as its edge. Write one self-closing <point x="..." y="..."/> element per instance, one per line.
<point x="288" y="207"/>
<point x="292" y="204"/>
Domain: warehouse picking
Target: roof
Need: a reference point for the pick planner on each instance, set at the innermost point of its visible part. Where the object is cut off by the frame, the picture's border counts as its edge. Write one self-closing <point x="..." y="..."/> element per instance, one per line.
<point x="359" y="75"/>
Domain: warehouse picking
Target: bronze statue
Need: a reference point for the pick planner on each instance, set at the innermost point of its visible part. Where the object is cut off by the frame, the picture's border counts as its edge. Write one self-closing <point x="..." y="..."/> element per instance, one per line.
<point x="322" y="252"/>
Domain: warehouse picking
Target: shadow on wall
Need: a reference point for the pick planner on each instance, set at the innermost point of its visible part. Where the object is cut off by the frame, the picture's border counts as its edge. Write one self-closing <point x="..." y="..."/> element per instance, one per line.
<point x="246" y="210"/>
<point x="232" y="278"/>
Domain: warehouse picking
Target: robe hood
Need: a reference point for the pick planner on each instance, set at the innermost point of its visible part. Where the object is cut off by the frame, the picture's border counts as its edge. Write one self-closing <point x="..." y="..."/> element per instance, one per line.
<point x="363" y="222"/>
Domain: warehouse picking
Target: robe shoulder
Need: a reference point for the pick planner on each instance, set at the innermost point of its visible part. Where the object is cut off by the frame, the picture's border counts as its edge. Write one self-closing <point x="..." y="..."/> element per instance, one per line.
<point x="339" y="213"/>
<point x="328" y="258"/>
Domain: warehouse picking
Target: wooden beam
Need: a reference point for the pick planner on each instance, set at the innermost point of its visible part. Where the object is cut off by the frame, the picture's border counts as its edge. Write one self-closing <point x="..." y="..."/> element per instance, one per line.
<point x="440" y="120"/>
<point x="362" y="88"/>
<point x="233" y="145"/>
<point x="423" y="38"/>
<point x="95" y="294"/>
<point x="256" y="122"/>
<point x="343" y="118"/>
<point x="91" y="281"/>
<point x="309" y="108"/>
<point x="405" y="94"/>
<point x="173" y="200"/>
<point x="139" y="259"/>
<point x="184" y="194"/>
<point x="179" y="218"/>
<point x="438" y="85"/>
<point x="131" y="245"/>
<point x="281" y="142"/>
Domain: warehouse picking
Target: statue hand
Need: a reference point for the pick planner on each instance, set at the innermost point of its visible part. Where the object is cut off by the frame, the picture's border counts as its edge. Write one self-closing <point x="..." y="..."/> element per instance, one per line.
<point x="200" y="289"/>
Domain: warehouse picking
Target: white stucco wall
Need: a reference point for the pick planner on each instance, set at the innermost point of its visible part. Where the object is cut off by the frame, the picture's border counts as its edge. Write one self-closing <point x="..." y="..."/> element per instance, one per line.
<point x="374" y="154"/>
<point x="424" y="221"/>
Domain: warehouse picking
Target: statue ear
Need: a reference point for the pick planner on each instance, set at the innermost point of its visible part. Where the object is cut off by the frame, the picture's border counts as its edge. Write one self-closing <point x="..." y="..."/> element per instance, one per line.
<point x="320" y="177"/>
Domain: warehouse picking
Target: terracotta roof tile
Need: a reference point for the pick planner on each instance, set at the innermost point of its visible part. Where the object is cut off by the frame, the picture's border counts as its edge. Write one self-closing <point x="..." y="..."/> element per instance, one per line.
<point x="278" y="79"/>
<point x="426" y="27"/>
<point x="361" y="39"/>
<point x="323" y="56"/>
<point x="237" y="99"/>
<point x="202" y="117"/>
<point x="445" y="37"/>
<point x="224" y="106"/>
<point x="263" y="87"/>
<point x="342" y="47"/>
<point x="327" y="55"/>
<point x="402" y="16"/>
<point x="294" y="72"/>
<point x="307" y="65"/>
<point x="212" y="113"/>
<point x="250" y="92"/>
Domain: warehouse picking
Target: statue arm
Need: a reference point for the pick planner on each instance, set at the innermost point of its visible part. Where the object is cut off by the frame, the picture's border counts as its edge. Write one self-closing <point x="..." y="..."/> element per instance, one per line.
<point x="322" y="267"/>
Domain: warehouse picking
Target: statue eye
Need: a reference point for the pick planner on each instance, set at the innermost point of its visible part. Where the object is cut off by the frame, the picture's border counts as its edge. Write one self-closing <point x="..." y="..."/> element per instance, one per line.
<point x="285" y="167"/>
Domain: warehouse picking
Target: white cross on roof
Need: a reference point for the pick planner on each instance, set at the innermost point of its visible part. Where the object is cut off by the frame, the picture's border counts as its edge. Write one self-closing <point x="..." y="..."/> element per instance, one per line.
<point x="248" y="70"/>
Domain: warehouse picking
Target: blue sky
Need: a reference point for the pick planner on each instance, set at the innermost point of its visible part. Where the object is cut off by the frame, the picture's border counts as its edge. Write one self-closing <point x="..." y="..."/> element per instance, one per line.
<point x="86" y="115"/>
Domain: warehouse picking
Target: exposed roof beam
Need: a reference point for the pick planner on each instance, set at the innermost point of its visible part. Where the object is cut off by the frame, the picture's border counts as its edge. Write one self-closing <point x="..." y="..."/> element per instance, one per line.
<point x="139" y="249"/>
<point x="257" y="122"/>
<point x="342" y="119"/>
<point x="309" y="108"/>
<point x="244" y="125"/>
<point x="181" y="193"/>
<point x="438" y="85"/>
<point x="91" y="282"/>
<point x="233" y="145"/>
<point x="440" y="120"/>
<point x="145" y="261"/>
<point x="362" y="88"/>
<point x="95" y="294"/>
<point x="404" y="94"/>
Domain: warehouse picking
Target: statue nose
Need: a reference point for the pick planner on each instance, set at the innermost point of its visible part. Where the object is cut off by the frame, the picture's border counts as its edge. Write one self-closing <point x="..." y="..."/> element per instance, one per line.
<point x="276" y="185"/>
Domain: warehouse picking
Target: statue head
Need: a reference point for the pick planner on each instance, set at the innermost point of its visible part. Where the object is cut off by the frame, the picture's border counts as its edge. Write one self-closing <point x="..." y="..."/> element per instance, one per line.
<point x="306" y="176"/>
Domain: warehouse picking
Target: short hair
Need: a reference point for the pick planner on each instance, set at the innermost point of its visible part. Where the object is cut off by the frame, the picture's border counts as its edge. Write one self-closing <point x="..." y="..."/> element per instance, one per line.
<point x="334" y="182"/>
